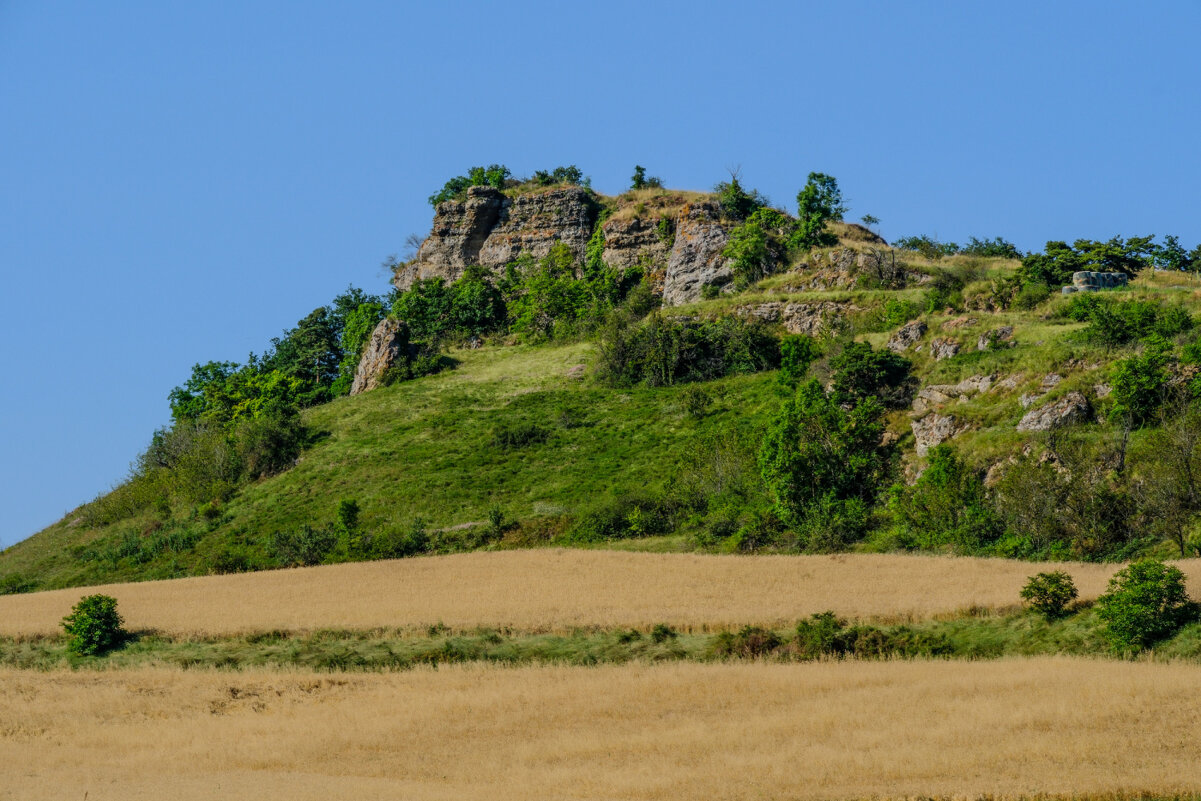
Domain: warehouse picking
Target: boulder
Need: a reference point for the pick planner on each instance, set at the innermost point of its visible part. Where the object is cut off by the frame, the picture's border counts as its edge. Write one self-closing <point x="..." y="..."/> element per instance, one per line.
<point x="1071" y="408"/>
<point x="388" y="342"/>
<point x="934" y="429"/>
<point x="937" y="395"/>
<point x="943" y="348"/>
<point x="906" y="336"/>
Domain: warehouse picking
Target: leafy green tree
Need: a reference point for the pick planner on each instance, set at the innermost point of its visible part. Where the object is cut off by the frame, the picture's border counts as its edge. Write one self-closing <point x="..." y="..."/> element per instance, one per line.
<point x="550" y="300"/>
<point x="996" y="248"/>
<point x="818" y="202"/>
<point x="638" y="179"/>
<point x="477" y="306"/>
<point x="1050" y="593"/>
<point x="1140" y="383"/>
<point x="1171" y="255"/>
<point x="859" y="372"/>
<point x="94" y="626"/>
<point x="947" y="505"/>
<point x="869" y="220"/>
<point x="1146" y="602"/>
<point x="559" y="175"/>
<point x="427" y="307"/>
<point x="310" y="353"/>
<point x="819" y="459"/>
<point x="494" y="175"/>
<point x="797" y="353"/>
<point x="1055" y="265"/>
<point x="929" y="247"/>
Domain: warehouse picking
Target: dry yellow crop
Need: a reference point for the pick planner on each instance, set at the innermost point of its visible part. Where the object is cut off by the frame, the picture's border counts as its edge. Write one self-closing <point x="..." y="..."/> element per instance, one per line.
<point x="678" y="731"/>
<point x="559" y="589"/>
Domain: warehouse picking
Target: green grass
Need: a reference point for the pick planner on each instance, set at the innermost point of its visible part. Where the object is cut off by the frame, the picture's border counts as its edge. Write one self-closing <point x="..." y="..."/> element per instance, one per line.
<point x="989" y="635"/>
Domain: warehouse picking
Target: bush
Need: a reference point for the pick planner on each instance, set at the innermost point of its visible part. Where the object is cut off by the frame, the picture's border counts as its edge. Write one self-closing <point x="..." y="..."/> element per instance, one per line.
<point x="1140" y="384"/>
<point x="507" y="436"/>
<point x="662" y="632"/>
<point x="661" y="352"/>
<point x="859" y="372"/>
<point x="307" y="546"/>
<point x="1049" y="593"/>
<point x="401" y="544"/>
<point x="818" y="202"/>
<point x="1146" y="602"/>
<point x="627" y="516"/>
<point x="819" y="635"/>
<point x="15" y="584"/>
<point x="752" y="642"/>
<point x="797" y="353"/>
<point x="94" y="626"/>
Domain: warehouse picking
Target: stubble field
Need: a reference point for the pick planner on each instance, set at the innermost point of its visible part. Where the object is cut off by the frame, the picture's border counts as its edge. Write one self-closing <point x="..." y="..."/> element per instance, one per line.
<point x="556" y="590"/>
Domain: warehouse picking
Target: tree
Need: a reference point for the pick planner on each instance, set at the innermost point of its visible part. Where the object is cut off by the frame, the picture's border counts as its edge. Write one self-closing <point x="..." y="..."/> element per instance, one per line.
<point x="94" y="626"/>
<point x="818" y="202"/>
<point x="1050" y="593"/>
<point x="797" y="352"/>
<point x="1146" y="602"/>
<point x="947" y="505"/>
<point x="869" y="220"/>
<point x="638" y="179"/>
<point x="1171" y="482"/>
<point x="1140" y="383"/>
<point x="860" y="372"/>
<point x="820" y="461"/>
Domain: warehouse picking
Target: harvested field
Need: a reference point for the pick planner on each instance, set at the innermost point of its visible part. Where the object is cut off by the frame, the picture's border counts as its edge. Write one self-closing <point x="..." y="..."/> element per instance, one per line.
<point x="556" y="590"/>
<point x="724" y="731"/>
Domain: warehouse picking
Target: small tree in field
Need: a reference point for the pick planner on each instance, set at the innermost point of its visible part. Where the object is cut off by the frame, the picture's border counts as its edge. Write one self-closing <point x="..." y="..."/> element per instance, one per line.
<point x="94" y="625"/>
<point x="1146" y="601"/>
<point x="1050" y="593"/>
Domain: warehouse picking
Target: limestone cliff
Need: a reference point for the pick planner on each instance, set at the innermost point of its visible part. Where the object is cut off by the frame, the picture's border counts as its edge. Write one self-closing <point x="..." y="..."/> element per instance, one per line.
<point x="677" y="242"/>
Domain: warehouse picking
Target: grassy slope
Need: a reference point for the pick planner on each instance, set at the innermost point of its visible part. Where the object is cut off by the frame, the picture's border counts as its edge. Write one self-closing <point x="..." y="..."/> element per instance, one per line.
<point x="423" y="449"/>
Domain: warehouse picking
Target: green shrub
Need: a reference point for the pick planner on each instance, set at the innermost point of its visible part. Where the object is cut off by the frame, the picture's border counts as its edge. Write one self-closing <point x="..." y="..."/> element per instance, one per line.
<point x="751" y="642"/>
<point x="520" y="434"/>
<point x="661" y="351"/>
<point x="493" y="175"/>
<point x="696" y="401"/>
<point x="797" y="353"/>
<point x="94" y="626"/>
<point x="929" y="247"/>
<point x="401" y="544"/>
<point x="662" y="632"/>
<point x="1049" y="593"/>
<point x="1146" y="602"/>
<point x="1031" y="295"/>
<point x="818" y="202"/>
<point x="631" y="515"/>
<point x="15" y="583"/>
<point x="305" y="546"/>
<point x="819" y="635"/>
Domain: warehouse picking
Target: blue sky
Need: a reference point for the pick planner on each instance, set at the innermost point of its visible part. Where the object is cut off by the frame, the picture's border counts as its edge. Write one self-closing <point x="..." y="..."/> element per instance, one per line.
<point x="180" y="182"/>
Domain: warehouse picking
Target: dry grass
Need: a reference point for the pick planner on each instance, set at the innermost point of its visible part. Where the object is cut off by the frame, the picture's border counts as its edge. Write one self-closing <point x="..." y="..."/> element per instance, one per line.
<point x="556" y="590"/>
<point x="725" y="731"/>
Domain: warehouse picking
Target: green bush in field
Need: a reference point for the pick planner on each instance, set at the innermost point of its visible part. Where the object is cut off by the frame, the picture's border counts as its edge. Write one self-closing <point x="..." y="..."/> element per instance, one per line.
<point x="1146" y="602"/>
<point x="797" y="353"/>
<point x="94" y="626"/>
<point x="947" y="505"/>
<point x="1050" y="593"/>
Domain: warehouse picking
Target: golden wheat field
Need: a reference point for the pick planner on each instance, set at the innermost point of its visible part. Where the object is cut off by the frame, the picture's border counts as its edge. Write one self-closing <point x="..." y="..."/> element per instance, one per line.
<point x="560" y="589"/>
<point x="676" y="731"/>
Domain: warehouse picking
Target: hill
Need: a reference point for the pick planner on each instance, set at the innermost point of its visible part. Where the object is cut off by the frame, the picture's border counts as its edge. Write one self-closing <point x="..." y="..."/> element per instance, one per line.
<point x="565" y="409"/>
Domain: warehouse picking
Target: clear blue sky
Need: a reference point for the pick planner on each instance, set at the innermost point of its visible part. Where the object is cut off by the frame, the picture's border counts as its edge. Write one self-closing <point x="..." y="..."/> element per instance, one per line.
<point x="181" y="181"/>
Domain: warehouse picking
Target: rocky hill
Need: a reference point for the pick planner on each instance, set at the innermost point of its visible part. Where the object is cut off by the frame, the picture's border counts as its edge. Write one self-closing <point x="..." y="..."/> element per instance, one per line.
<point x="517" y="436"/>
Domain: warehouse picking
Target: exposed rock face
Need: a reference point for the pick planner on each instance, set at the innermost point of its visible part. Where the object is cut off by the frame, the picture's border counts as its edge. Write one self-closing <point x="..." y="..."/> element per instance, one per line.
<point x="696" y="259"/>
<point x="813" y="319"/>
<point x="842" y="268"/>
<point x="943" y="348"/>
<point x="1002" y="334"/>
<point x="388" y="341"/>
<point x="638" y="242"/>
<point x="490" y="229"/>
<point x="936" y="396"/>
<point x="1071" y="408"/>
<point x="533" y="223"/>
<point x="934" y="429"/>
<point x="906" y="336"/>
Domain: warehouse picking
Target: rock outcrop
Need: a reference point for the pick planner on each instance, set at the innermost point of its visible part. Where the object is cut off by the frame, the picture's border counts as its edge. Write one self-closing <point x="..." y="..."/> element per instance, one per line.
<point x="696" y="261"/>
<point x="679" y="247"/>
<point x="490" y="229"/>
<point x="906" y="336"/>
<point x="943" y="348"/>
<point x="997" y="336"/>
<point x="936" y="396"/>
<point x="815" y="318"/>
<point x="1071" y="408"/>
<point x="388" y="342"/>
<point x="934" y="429"/>
<point x="1089" y="281"/>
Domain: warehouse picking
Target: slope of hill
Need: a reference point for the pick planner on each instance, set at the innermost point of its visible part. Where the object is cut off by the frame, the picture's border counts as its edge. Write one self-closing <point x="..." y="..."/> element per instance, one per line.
<point x="521" y="445"/>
